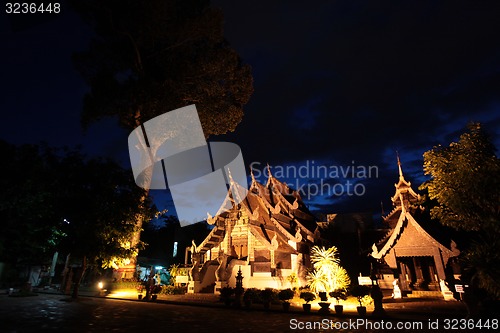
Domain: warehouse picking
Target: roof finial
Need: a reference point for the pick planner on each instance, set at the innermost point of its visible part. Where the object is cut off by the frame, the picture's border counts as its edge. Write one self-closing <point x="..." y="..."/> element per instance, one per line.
<point x="229" y="175"/>
<point x="269" y="175"/>
<point x="399" y="166"/>
<point x="252" y="175"/>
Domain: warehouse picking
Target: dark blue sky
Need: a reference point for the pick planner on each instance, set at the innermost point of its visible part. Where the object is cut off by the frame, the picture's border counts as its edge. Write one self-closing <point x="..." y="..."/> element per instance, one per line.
<point x="335" y="82"/>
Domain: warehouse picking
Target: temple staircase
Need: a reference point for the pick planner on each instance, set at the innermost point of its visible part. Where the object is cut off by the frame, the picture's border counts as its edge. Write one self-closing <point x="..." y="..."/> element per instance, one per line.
<point x="430" y="294"/>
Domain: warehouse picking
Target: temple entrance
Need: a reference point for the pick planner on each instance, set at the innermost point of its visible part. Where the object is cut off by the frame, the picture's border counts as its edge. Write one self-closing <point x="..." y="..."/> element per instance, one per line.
<point x="417" y="273"/>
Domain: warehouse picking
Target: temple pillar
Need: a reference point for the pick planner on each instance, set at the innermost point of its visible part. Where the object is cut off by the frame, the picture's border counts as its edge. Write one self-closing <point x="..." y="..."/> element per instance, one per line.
<point x="186" y="255"/>
<point x="438" y="261"/>
<point x="405" y="283"/>
<point x="418" y="269"/>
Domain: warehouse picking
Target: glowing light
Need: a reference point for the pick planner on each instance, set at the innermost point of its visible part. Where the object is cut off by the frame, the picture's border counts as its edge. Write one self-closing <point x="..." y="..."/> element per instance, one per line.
<point x="158" y="267"/>
<point x="175" y="250"/>
<point x="100" y="285"/>
<point x="124" y="293"/>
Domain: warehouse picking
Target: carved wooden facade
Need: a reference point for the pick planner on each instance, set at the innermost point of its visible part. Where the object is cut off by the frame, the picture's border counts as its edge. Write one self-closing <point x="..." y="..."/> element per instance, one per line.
<point x="268" y="236"/>
<point x="416" y="257"/>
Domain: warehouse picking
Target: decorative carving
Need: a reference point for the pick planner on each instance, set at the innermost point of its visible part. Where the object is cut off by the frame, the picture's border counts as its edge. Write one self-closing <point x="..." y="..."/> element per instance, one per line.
<point x="194" y="272"/>
<point x="274" y="242"/>
<point x="220" y="273"/>
<point x="211" y="220"/>
<point x="298" y="236"/>
<point x="276" y="209"/>
<point x="255" y="214"/>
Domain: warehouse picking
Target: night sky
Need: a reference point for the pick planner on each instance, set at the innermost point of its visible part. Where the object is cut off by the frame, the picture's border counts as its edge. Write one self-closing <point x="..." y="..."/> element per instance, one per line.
<point x="337" y="84"/>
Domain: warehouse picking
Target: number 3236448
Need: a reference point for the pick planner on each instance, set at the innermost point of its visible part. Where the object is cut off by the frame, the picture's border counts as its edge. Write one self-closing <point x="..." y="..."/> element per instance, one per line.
<point x="32" y="8"/>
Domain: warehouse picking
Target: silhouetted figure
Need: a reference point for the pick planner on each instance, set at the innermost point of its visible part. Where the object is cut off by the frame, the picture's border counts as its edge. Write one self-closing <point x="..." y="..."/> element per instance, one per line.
<point x="376" y="294"/>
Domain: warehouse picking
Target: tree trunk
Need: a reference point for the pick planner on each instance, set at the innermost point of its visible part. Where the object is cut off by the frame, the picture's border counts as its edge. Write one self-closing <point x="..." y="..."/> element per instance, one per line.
<point x="78" y="279"/>
<point x="150" y="283"/>
<point x="65" y="274"/>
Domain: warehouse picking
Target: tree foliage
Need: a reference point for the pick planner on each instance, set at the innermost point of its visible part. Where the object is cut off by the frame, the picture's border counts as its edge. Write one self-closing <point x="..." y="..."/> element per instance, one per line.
<point x="60" y="201"/>
<point x="101" y="202"/>
<point x="150" y="57"/>
<point x="27" y="201"/>
<point x="465" y="184"/>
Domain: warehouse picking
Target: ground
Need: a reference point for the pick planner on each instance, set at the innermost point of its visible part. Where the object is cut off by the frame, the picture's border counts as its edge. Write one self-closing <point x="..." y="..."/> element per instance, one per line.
<point x="53" y="312"/>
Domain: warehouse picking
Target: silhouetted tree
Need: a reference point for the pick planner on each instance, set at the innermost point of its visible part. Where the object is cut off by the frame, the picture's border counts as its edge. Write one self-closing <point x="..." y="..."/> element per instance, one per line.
<point x="150" y="57"/>
<point x="465" y="183"/>
<point x="60" y="201"/>
<point x="27" y="200"/>
<point x="101" y="203"/>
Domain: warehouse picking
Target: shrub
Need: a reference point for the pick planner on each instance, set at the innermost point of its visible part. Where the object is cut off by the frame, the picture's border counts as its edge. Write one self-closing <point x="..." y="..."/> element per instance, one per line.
<point x="307" y="296"/>
<point x="156" y="289"/>
<point x="251" y="294"/>
<point x="286" y="294"/>
<point x="268" y="295"/>
<point x="171" y="290"/>
<point x="339" y="294"/>
<point x="226" y="292"/>
<point x="360" y="292"/>
<point x="125" y="285"/>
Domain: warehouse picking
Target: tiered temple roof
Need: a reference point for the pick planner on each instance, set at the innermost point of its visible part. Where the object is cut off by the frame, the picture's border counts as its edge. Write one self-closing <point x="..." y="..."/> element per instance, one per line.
<point x="405" y="233"/>
<point x="276" y="214"/>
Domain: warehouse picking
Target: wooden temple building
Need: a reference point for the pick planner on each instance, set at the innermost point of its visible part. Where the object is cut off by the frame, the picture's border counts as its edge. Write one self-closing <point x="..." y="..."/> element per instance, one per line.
<point x="267" y="236"/>
<point x="416" y="259"/>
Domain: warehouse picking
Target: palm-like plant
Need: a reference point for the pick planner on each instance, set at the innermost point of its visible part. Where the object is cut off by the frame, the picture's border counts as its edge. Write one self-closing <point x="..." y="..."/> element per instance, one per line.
<point x="328" y="275"/>
<point x="321" y="257"/>
<point x="339" y="279"/>
<point x="317" y="281"/>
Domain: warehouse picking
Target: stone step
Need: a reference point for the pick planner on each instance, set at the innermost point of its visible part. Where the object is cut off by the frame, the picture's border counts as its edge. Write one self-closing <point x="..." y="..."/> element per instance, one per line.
<point x="425" y="294"/>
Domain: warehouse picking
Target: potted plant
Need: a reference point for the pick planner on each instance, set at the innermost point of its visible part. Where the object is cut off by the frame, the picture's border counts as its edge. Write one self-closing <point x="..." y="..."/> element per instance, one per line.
<point x="225" y="295"/>
<point x="324" y="304"/>
<point x="285" y="296"/>
<point x="339" y="294"/>
<point x="155" y="290"/>
<point x="307" y="296"/>
<point x="250" y="296"/>
<point x="267" y="295"/>
<point x="140" y="291"/>
<point x="359" y="292"/>
<point x="322" y="296"/>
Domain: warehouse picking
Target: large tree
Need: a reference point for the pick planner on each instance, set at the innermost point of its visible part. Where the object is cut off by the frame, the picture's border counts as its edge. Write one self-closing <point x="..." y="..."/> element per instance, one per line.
<point x="465" y="184"/>
<point x="151" y="57"/>
<point x="100" y="203"/>
<point x="27" y="200"/>
<point x="58" y="200"/>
